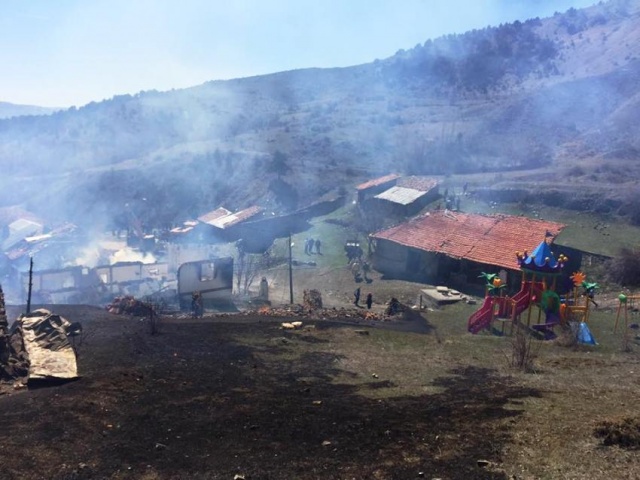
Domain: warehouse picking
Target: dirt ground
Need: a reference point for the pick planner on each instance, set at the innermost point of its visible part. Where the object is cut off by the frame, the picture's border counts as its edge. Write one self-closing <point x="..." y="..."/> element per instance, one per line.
<point x="235" y="396"/>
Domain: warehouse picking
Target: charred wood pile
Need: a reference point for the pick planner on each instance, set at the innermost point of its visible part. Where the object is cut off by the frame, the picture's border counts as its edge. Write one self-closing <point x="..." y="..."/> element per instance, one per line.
<point x="312" y="299"/>
<point x="129" y="305"/>
<point x="14" y="361"/>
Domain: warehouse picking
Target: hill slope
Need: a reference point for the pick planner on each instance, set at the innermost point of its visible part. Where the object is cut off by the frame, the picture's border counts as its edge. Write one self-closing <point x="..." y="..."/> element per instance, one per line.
<point x="528" y="95"/>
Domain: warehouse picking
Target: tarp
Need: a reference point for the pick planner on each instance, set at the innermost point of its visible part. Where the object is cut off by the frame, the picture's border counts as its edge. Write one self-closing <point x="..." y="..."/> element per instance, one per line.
<point x="584" y="335"/>
<point x="46" y="341"/>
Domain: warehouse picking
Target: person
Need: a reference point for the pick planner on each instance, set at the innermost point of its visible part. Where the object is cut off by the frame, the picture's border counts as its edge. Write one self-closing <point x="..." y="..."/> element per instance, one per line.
<point x="356" y="295"/>
<point x="306" y="246"/>
<point x="264" y="289"/>
<point x="590" y="294"/>
<point x="365" y="269"/>
<point x="369" y="300"/>
<point x="311" y="242"/>
<point x="318" y="243"/>
<point x="196" y="304"/>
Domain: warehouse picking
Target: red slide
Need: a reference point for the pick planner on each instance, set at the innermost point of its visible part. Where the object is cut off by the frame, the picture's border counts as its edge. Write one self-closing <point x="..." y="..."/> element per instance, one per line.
<point x="522" y="299"/>
<point x="482" y="317"/>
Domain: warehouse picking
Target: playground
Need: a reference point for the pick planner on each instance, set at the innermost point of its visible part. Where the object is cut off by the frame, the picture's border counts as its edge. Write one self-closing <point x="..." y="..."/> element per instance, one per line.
<point x="549" y="299"/>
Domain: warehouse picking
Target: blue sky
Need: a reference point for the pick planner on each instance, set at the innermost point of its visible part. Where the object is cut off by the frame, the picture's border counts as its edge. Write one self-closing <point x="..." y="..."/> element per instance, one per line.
<point x="71" y="52"/>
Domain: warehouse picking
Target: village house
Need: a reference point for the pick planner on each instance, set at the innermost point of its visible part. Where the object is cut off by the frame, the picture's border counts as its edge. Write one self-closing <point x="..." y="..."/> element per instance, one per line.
<point x="454" y="248"/>
<point x="372" y="187"/>
<point x="406" y="198"/>
<point x="222" y="225"/>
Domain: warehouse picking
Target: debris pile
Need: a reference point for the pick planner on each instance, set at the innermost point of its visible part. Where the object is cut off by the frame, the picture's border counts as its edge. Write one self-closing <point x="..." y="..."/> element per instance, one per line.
<point x="337" y="314"/>
<point x="14" y="363"/>
<point x="312" y="299"/>
<point x="129" y="305"/>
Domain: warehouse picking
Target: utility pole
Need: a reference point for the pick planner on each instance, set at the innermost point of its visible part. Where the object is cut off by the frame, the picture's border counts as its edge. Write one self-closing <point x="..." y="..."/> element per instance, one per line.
<point x="30" y="286"/>
<point x="290" y="273"/>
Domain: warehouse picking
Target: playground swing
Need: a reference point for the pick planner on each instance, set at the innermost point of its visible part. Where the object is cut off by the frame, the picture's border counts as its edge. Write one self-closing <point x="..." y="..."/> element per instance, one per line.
<point x="626" y="302"/>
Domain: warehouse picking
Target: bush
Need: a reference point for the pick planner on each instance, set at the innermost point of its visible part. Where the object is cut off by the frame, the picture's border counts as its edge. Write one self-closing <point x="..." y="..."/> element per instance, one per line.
<point x="625" y="268"/>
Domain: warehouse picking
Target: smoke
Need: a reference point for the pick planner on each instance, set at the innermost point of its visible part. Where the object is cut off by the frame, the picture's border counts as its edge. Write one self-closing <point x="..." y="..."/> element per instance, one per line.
<point x="130" y="255"/>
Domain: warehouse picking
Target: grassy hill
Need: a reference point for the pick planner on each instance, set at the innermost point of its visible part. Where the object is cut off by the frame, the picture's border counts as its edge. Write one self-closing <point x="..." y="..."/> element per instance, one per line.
<point x="548" y="103"/>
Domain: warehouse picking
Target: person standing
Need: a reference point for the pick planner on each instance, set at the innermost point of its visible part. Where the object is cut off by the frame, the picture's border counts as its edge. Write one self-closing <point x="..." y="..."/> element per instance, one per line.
<point x="196" y="305"/>
<point x="318" y="243"/>
<point x="369" y="300"/>
<point x="356" y="295"/>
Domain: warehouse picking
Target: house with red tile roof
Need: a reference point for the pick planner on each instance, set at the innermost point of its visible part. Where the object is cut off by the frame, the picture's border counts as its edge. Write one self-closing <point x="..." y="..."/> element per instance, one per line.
<point x="441" y="245"/>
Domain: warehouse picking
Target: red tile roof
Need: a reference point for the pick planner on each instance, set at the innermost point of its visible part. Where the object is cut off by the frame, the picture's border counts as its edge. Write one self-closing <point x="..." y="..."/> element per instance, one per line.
<point x="378" y="181"/>
<point x="487" y="239"/>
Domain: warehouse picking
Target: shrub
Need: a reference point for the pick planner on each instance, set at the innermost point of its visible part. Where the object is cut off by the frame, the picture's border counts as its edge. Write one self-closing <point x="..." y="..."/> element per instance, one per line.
<point x="625" y="268"/>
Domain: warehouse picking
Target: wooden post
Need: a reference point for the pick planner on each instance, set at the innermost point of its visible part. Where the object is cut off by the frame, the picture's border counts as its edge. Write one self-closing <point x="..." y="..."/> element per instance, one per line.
<point x="290" y="273"/>
<point x="30" y="286"/>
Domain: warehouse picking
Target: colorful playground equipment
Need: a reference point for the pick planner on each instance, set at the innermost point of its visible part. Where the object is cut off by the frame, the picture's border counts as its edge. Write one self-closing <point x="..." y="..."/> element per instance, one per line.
<point x="540" y="272"/>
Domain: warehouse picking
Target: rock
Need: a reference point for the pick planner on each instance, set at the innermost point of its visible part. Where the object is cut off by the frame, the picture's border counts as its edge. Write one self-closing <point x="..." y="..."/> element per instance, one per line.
<point x="326" y="443"/>
<point x="483" y="463"/>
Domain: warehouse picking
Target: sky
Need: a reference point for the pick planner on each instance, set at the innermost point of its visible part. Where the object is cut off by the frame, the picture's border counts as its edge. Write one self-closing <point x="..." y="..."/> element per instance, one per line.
<point x="71" y="52"/>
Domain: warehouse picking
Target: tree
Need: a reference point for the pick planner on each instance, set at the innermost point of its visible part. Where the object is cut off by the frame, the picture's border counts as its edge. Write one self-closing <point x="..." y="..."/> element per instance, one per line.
<point x="279" y="164"/>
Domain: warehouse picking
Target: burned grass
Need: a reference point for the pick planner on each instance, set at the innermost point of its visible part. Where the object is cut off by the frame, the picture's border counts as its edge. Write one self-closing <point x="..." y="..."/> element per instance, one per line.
<point x="624" y="432"/>
<point x="224" y="396"/>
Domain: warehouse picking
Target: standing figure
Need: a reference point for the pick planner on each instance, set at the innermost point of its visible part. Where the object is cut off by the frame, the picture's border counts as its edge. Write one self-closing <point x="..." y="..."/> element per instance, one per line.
<point x="356" y="295"/>
<point x="369" y="300"/>
<point x="196" y="304"/>
<point x="311" y="244"/>
<point x="318" y="243"/>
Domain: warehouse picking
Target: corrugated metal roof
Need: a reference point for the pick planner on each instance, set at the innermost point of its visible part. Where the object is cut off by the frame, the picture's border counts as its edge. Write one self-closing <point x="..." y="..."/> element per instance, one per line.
<point x="235" y="218"/>
<point x="378" y="181"/>
<point x="215" y="214"/>
<point x="401" y="195"/>
<point x="487" y="239"/>
<point x="424" y="184"/>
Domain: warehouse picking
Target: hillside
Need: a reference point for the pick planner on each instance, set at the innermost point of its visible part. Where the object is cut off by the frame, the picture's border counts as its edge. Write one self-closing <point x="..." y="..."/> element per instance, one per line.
<point x="554" y="98"/>
<point x="9" y="110"/>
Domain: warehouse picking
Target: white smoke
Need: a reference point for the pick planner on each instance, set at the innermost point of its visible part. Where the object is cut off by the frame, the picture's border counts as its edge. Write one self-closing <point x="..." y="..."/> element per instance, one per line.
<point x="129" y="255"/>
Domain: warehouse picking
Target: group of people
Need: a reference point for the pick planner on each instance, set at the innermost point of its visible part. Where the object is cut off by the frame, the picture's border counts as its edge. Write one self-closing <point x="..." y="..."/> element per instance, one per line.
<point x="310" y="243"/>
<point x="368" y="301"/>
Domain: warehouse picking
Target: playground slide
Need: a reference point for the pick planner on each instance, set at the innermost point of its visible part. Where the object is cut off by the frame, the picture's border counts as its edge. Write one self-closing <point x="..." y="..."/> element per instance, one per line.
<point x="522" y="300"/>
<point x="481" y="318"/>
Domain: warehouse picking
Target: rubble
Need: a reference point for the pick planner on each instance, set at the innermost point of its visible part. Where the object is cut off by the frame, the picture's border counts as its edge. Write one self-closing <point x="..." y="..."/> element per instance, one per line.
<point x="312" y="299"/>
<point x="129" y="305"/>
<point x="338" y="314"/>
